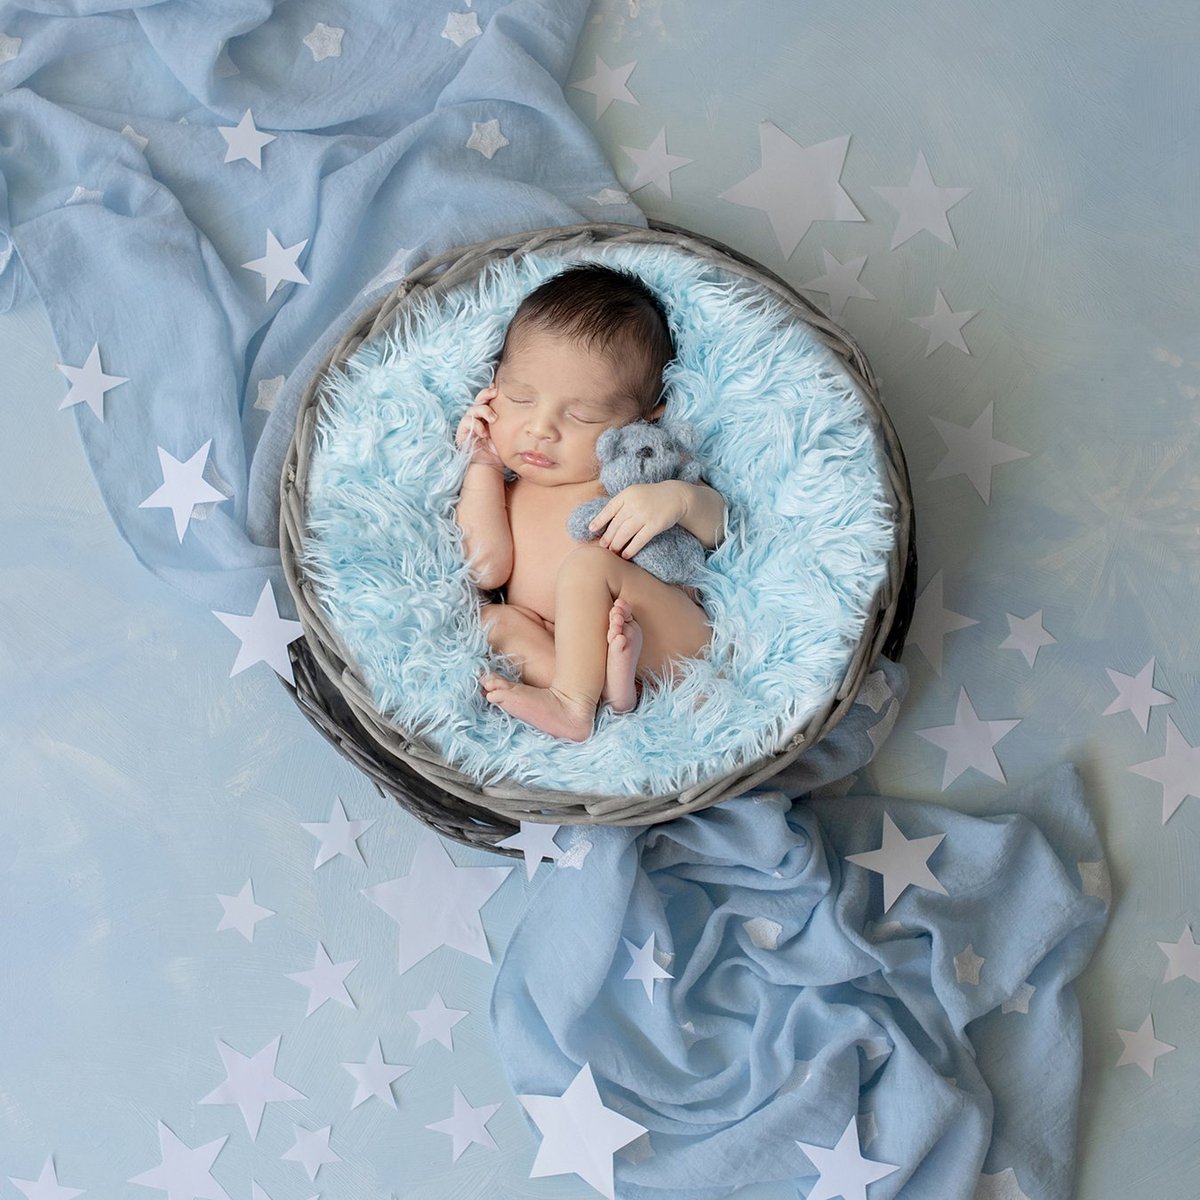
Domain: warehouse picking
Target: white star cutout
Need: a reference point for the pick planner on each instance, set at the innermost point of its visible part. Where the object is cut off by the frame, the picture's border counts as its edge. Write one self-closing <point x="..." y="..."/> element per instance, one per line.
<point x="1142" y="1047"/>
<point x="436" y="1022"/>
<point x="968" y="742"/>
<point x="9" y="47"/>
<point x="922" y="205"/>
<point x="467" y="1125"/>
<point x="973" y="452"/>
<point x="184" y="1173"/>
<point x="944" y="326"/>
<point x="486" y="137"/>
<point x="607" y="196"/>
<point x="183" y="487"/>
<point x="1095" y="881"/>
<point x="1019" y="1000"/>
<point x="1183" y="957"/>
<point x="579" y="1135"/>
<point x="796" y="185"/>
<point x="337" y="835"/>
<point x="839" y="283"/>
<point x="251" y="1083"/>
<point x="89" y="383"/>
<point x="325" y="41"/>
<point x="536" y="842"/>
<point x="932" y="621"/>
<point x="437" y="904"/>
<point x="278" y="264"/>
<point x="265" y="636"/>
<point x="654" y="165"/>
<point x="244" y="140"/>
<point x="311" y="1149"/>
<point x="573" y="856"/>
<point x="268" y="393"/>
<point x="326" y="981"/>
<point x="241" y="913"/>
<point x="608" y="84"/>
<point x="967" y="964"/>
<point x="375" y="1077"/>
<point x="46" y="1186"/>
<point x="1136" y="694"/>
<point x="131" y="135"/>
<point x="461" y="28"/>
<point x="644" y="968"/>
<point x="842" y="1170"/>
<point x="1027" y="635"/>
<point x="903" y="862"/>
<point x="1178" y="770"/>
<point x="763" y="932"/>
<point x="1001" y="1186"/>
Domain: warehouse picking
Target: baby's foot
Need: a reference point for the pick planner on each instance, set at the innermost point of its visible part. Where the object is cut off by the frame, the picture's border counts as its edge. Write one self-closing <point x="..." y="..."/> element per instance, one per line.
<point x="624" y="649"/>
<point x="543" y="708"/>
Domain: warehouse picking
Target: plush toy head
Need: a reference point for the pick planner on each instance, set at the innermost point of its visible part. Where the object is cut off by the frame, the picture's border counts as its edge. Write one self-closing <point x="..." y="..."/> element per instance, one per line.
<point x="646" y="452"/>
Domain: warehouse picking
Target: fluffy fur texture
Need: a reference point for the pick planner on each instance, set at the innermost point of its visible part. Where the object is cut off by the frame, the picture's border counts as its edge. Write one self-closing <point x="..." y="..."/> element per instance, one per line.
<point x="781" y="433"/>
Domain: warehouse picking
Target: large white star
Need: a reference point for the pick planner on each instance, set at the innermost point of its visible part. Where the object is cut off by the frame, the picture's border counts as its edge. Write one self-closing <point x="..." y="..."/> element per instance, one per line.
<point x="922" y="205"/>
<point x="264" y="635"/>
<point x="325" y="41"/>
<point x="375" y="1077"/>
<point x="337" y="835"/>
<point x="903" y="862"/>
<point x="326" y="981"/>
<point x="467" y="1125"/>
<point x="437" y="904"/>
<point x="437" y="1022"/>
<point x="1142" y="1047"/>
<point x="241" y="913"/>
<point x="1028" y="635"/>
<point x="89" y="383"/>
<point x="486" y="137"/>
<point x="973" y="452"/>
<point x="579" y="1135"/>
<point x="796" y="185"/>
<point x="944" y="326"/>
<point x="931" y="622"/>
<point x="244" y="140"/>
<point x="183" y="487"/>
<point x="251" y="1083"/>
<point x="839" y="283"/>
<point x="644" y="968"/>
<point x="311" y="1149"/>
<point x="654" y="165"/>
<point x="46" y="1186"/>
<point x="968" y="742"/>
<point x="535" y="840"/>
<point x="608" y="84"/>
<point x="1178" y="770"/>
<point x="842" y="1170"/>
<point x="1136" y="694"/>
<point x="1183" y="957"/>
<point x="184" y="1173"/>
<point x="278" y="264"/>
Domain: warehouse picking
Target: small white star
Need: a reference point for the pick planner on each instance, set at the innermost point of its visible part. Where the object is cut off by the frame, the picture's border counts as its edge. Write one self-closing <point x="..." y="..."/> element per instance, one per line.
<point x="436" y="1022"/>
<point x="1183" y="957"/>
<point x="461" y="28"/>
<point x="903" y="862"/>
<point x="967" y="964"/>
<point x="46" y="1186"/>
<point x="1001" y="1186"/>
<point x="573" y="856"/>
<point x="840" y="282"/>
<point x="609" y="196"/>
<point x="251" y="1083"/>
<point x="183" y="487"/>
<point x="536" y="842"/>
<point x="1094" y="881"/>
<point x="1027" y="635"/>
<point x="922" y="205"/>
<point x="654" y="165"/>
<point x="608" y="84"/>
<point x="968" y="742"/>
<point x="1136" y="694"/>
<point x="311" y="1149"/>
<point x="268" y="392"/>
<point x="326" y="981"/>
<point x="644" y="967"/>
<point x="842" y="1170"/>
<point x="182" y="1171"/>
<point x="1019" y="1000"/>
<point x="245" y="140"/>
<point x="467" y="1125"/>
<point x="89" y="383"/>
<point x="1142" y="1047"/>
<point x="375" y="1077"/>
<point x="932" y="621"/>
<point x="973" y="452"/>
<point x="241" y="913"/>
<point x="278" y="264"/>
<point x="131" y="135"/>
<point x="265" y="635"/>
<point x="9" y="47"/>
<point x="325" y="41"/>
<point x="82" y="195"/>
<point x="337" y="835"/>
<point x="486" y="137"/>
<point x="944" y="326"/>
<point x="1177" y="770"/>
<point x="763" y="932"/>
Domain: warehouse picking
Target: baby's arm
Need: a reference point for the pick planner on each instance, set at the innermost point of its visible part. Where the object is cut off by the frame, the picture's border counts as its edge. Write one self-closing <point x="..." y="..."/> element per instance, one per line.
<point x="704" y="512"/>
<point x="482" y="512"/>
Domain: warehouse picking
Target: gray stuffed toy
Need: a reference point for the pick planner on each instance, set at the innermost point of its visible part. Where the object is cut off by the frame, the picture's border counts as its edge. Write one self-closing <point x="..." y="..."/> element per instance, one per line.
<point x="645" y="452"/>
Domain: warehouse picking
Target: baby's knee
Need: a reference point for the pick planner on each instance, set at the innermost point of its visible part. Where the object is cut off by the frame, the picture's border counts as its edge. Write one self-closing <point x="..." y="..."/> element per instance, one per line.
<point x="586" y="561"/>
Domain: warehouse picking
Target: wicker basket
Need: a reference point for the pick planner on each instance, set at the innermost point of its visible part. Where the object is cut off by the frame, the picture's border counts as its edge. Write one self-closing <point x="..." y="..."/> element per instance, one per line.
<point x="332" y="694"/>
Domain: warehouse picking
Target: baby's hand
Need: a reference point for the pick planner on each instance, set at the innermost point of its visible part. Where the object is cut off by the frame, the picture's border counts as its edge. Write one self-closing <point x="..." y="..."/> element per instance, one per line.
<point x="639" y="513"/>
<point x="476" y="425"/>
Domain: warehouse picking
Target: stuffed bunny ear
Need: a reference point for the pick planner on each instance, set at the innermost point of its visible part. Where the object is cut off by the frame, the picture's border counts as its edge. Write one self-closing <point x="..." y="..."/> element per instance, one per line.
<point x="607" y="443"/>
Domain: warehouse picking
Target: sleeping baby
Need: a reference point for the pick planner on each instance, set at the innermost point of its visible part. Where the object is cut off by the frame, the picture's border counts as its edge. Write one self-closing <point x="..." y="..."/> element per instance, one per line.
<point x="583" y="353"/>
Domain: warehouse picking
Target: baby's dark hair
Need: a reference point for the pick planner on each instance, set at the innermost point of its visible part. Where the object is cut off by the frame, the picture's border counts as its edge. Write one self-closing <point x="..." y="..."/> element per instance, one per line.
<point x="612" y="312"/>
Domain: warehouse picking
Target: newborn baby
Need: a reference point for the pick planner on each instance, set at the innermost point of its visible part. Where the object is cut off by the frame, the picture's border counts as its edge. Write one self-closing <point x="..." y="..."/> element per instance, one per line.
<point x="583" y="353"/>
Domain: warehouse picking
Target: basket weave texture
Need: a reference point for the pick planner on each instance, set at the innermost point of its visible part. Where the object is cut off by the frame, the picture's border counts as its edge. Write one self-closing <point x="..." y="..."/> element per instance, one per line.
<point x="330" y="689"/>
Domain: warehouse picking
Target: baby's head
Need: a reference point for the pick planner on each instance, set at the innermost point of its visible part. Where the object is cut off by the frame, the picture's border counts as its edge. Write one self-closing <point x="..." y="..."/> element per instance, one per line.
<point x="584" y="352"/>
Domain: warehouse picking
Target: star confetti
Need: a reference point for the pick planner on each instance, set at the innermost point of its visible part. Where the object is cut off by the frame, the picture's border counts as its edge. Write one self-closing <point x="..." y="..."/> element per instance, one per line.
<point x="241" y="913"/>
<point x="1027" y="635"/>
<point x="840" y="282"/>
<point x="375" y="1077"/>
<point x="922" y="205"/>
<point x="265" y="636"/>
<point x="1177" y="770"/>
<point x="645" y="969"/>
<point x="244" y="140"/>
<point x="607" y="84"/>
<point x="184" y="1171"/>
<point x="968" y="742"/>
<point x="311" y="1149"/>
<point x="486" y="137"/>
<point x="183" y="487"/>
<point x="902" y="862"/>
<point x="89" y="383"/>
<point x="944" y="326"/>
<point x="1142" y="1048"/>
<point x="278" y="264"/>
<point x="461" y="28"/>
<point x="536" y="842"/>
<point x="654" y="165"/>
<point x="326" y="981"/>
<point x="467" y="1125"/>
<point x="1183" y="957"/>
<point x="251" y="1083"/>
<point x="1136" y="694"/>
<point x="842" y="1170"/>
<point x="46" y="1186"/>
<point x="325" y="41"/>
<point x="337" y="835"/>
<point x="436" y="1022"/>
<point x="972" y="451"/>
<point x="932" y="621"/>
